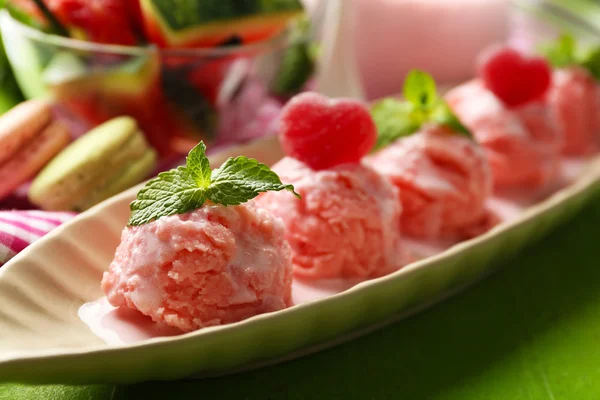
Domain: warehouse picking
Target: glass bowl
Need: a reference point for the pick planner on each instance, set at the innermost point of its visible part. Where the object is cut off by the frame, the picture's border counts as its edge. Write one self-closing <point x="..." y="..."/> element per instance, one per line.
<point x="178" y="96"/>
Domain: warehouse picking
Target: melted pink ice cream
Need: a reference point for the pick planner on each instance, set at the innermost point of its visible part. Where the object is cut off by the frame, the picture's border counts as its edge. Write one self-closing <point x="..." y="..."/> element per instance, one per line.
<point x="443" y="180"/>
<point x="522" y="144"/>
<point x="574" y="100"/>
<point x="345" y="226"/>
<point x="215" y="265"/>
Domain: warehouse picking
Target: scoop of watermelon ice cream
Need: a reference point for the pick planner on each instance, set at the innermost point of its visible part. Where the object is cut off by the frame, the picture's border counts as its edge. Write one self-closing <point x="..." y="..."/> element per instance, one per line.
<point x="522" y="144"/>
<point x="345" y="225"/>
<point x="443" y="179"/>
<point x="212" y="266"/>
<point x="574" y="101"/>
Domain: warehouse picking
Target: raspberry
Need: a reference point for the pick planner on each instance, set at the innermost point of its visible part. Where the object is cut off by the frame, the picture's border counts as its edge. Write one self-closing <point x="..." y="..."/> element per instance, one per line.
<point x="323" y="132"/>
<point x="514" y="78"/>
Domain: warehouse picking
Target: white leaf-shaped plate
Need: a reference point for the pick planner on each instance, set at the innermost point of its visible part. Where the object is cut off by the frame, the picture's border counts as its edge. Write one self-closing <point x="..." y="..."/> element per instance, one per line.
<point x="43" y="340"/>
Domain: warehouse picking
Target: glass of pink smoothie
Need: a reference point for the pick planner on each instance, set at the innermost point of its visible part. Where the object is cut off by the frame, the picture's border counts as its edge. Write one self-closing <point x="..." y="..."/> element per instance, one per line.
<point x="441" y="37"/>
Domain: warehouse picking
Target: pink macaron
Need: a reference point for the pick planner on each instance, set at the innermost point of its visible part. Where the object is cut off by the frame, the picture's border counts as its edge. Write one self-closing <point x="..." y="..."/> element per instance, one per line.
<point x="29" y="139"/>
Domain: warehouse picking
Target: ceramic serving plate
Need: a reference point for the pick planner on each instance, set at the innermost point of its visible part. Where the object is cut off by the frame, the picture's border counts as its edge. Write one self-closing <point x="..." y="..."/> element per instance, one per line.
<point x="42" y="339"/>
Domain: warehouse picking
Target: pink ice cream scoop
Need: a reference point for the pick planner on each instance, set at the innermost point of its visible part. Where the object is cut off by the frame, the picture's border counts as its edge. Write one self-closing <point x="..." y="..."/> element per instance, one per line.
<point x="345" y="225"/>
<point x="574" y="100"/>
<point x="212" y="266"/>
<point x="522" y="144"/>
<point x="443" y="180"/>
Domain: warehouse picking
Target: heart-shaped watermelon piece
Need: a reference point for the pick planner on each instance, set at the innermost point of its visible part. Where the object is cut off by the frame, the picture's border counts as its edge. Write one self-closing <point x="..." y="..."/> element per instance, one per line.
<point x="324" y="132"/>
<point x="513" y="77"/>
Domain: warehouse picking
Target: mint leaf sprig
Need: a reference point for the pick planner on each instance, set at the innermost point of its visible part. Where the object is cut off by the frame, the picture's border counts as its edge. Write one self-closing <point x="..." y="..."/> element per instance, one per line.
<point x="395" y="119"/>
<point x="188" y="187"/>
<point x="561" y="52"/>
<point x="565" y="52"/>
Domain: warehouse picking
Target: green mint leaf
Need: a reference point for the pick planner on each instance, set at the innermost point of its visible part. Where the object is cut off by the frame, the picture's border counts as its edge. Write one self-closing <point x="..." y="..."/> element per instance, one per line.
<point x="240" y="179"/>
<point x="394" y="119"/>
<point x="565" y="52"/>
<point x="174" y="192"/>
<point x="198" y="165"/>
<point x="591" y="62"/>
<point x="562" y="52"/>
<point x="419" y="89"/>
<point x="443" y="115"/>
<point x="187" y="188"/>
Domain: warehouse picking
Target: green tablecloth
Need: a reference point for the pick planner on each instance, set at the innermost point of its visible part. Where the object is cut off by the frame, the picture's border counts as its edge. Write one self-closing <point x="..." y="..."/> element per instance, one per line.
<point x="532" y="331"/>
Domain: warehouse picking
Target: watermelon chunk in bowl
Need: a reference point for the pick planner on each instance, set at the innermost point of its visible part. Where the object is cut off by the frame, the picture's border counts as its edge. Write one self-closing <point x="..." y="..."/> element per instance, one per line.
<point x="194" y="24"/>
<point x="178" y="95"/>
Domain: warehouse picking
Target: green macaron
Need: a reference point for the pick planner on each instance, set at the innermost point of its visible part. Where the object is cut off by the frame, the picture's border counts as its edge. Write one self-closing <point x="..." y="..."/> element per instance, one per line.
<point x="107" y="160"/>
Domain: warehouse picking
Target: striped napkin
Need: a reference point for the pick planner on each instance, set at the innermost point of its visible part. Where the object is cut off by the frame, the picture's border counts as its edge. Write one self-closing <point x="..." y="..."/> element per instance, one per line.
<point x="18" y="229"/>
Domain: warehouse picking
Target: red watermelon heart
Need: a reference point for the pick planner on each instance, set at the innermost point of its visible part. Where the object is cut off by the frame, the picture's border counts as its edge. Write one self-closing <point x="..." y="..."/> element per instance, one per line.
<point x="514" y="78"/>
<point x="323" y="132"/>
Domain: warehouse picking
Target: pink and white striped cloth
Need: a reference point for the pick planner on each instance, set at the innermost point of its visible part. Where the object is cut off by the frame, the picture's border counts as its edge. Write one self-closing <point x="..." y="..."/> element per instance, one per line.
<point x="18" y="229"/>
